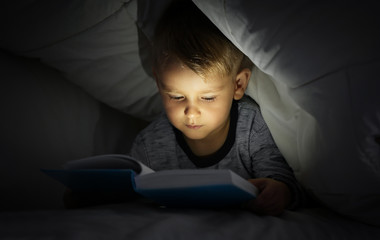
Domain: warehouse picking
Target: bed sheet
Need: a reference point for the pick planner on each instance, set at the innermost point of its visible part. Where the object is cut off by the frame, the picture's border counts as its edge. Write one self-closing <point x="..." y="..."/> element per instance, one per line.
<point x="143" y="220"/>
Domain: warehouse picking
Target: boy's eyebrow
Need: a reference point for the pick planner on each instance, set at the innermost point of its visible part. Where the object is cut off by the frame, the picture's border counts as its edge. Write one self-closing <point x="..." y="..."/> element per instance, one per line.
<point x="213" y="90"/>
<point x="202" y="92"/>
<point x="168" y="89"/>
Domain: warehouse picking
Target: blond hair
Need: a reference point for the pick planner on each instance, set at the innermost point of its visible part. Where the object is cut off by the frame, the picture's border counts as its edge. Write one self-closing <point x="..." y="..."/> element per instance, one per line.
<point x="186" y="36"/>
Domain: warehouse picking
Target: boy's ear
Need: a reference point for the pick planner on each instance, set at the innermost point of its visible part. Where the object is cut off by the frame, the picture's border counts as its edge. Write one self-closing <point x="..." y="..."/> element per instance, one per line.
<point x="241" y="83"/>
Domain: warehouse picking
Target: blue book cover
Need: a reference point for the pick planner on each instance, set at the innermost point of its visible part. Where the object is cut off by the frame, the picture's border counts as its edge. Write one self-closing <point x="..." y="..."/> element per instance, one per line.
<point x="91" y="180"/>
<point x="172" y="188"/>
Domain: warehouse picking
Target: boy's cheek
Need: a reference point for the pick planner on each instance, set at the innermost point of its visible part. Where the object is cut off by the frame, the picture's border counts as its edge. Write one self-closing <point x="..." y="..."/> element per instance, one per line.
<point x="174" y="114"/>
<point x="172" y="109"/>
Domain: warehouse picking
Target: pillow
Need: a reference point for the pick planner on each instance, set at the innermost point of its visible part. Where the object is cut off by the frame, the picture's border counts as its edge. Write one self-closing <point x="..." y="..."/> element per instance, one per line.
<point x="96" y="46"/>
<point x="316" y="83"/>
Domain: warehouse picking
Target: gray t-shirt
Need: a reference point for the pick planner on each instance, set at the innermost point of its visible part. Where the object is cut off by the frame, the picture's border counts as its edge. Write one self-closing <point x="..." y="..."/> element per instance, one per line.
<point x="249" y="150"/>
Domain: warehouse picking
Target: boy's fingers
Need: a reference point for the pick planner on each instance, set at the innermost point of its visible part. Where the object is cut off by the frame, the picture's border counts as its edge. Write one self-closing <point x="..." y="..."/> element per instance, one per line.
<point x="260" y="183"/>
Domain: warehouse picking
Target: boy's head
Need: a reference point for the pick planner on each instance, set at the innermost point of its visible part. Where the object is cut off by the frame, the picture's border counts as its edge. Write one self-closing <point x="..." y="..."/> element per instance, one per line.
<point x="185" y="35"/>
<point x="198" y="72"/>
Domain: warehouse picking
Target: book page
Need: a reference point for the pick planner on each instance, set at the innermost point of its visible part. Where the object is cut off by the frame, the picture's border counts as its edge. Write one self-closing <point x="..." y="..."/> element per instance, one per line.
<point x="195" y="188"/>
<point x="109" y="161"/>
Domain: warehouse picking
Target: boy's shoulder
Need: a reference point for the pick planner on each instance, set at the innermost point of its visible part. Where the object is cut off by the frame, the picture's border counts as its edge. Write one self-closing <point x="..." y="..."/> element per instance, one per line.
<point x="250" y="114"/>
<point x="156" y="144"/>
<point x="158" y="127"/>
<point x="247" y="103"/>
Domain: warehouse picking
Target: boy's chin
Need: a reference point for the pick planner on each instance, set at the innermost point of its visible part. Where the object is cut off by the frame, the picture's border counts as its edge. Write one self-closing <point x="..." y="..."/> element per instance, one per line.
<point x="194" y="136"/>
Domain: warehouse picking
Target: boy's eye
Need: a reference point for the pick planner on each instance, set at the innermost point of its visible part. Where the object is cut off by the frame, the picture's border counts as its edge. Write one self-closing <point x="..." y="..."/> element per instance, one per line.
<point x="176" y="98"/>
<point x="208" y="99"/>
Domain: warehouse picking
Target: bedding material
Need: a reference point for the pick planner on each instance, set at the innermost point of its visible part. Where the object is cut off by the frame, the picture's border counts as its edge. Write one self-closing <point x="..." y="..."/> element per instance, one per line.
<point x="143" y="220"/>
<point x="317" y="85"/>
<point x="95" y="44"/>
<point x="30" y="25"/>
<point x="45" y="122"/>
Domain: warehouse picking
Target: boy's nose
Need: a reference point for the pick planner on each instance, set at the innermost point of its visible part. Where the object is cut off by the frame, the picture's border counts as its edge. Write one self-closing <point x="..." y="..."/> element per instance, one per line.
<point x="192" y="111"/>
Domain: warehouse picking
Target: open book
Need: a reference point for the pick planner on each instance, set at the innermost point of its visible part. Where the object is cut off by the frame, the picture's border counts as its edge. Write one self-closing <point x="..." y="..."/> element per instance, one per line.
<point x="178" y="188"/>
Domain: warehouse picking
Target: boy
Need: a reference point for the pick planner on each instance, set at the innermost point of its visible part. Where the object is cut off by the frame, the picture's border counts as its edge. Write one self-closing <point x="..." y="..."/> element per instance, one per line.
<point x="209" y="122"/>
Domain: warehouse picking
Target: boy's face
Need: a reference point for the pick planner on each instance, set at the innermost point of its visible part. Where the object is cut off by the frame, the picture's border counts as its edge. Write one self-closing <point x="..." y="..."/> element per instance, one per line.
<point x="199" y="109"/>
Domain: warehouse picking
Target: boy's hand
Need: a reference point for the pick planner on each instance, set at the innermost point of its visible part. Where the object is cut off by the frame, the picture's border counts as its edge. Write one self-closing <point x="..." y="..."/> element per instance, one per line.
<point x="274" y="196"/>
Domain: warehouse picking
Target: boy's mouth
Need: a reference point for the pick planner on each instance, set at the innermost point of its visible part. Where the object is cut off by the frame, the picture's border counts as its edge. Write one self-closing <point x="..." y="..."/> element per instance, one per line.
<point x="193" y="126"/>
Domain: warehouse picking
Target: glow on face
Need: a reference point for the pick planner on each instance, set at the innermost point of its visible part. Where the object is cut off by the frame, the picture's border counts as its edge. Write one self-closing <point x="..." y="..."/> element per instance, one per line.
<point x="198" y="108"/>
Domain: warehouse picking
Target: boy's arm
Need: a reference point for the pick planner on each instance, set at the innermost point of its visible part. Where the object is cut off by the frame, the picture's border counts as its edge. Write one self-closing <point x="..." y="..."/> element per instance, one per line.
<point x="139" y="151"/>
<point x="268" y="162"/>
<point x="277" y="169"/>
<point x="273" y="199"/>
